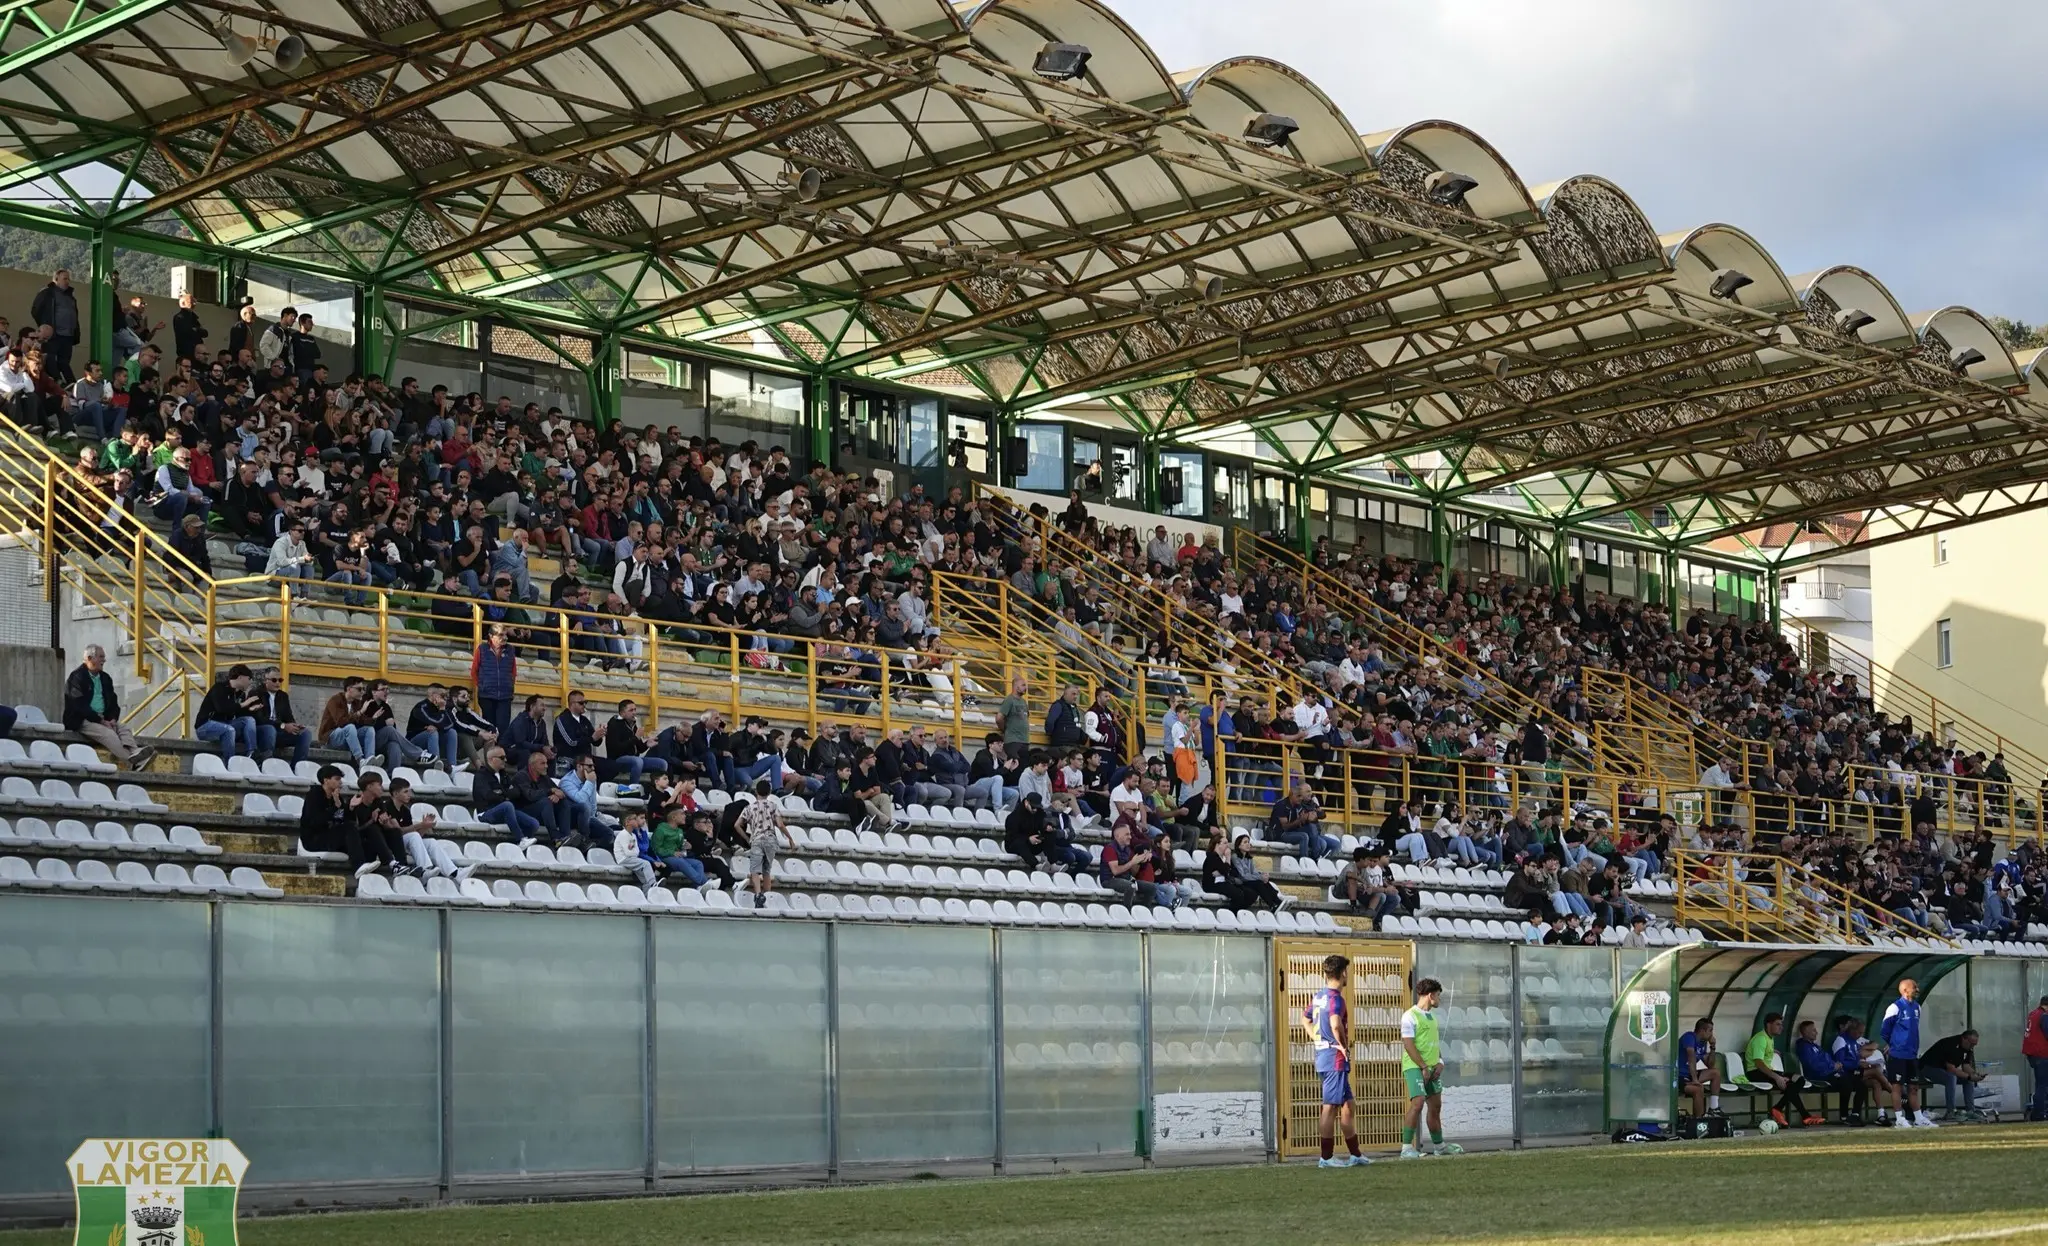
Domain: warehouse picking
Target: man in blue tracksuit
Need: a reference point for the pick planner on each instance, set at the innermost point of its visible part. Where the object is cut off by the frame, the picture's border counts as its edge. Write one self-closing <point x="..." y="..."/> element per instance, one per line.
<point x="1900" y="1030"/>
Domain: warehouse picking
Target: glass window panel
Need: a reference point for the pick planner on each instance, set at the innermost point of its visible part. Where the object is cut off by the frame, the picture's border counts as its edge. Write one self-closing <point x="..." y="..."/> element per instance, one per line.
<point x="1211" y="1019"/>
<point x="924" y="432"/>
<point x="1188" y="467"/>
<point x="332" y="1040"/>
<point x="1945" y="1008"/>
<point x="1045" y="459"/>
<point x="1567" y="993"/>
<point x="1475" y="1031"/>
<point x="746" y="999"/>
<point x="332" y="304"/>
<point x="746" y="405"/>
<point x="103" y="1018"/>
<point x="657" y="370"/>
<point x="524" y="381"/>
<point x="550" y="1030"/>
<point x="1071" y="1028"/>
<point x="916" y="1073"/>
<point x="1123" y="466"/>
<point x="967" y="446"/>
<point x="433" y="364"/>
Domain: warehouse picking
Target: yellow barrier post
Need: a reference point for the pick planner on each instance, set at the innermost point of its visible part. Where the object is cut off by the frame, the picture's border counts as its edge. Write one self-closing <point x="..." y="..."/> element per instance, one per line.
<point x="732" y="675"/>
<point x="562" y="641"/>
<point x="284" y="631"/>
<point x="211" y="627"/>
<point x="136" y="627"/>
<point x="384" y="633"/>
<point x="653" y="652"/>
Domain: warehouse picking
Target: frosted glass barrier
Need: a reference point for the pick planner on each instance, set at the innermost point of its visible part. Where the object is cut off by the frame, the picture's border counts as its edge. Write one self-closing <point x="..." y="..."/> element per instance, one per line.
<point x="740" y="1038"/>
<point x="1944" y="1008"/>
<point x="1567" y="994"/>
<point x="103" y="1022"/>
<point x="1211" y="1017"/>
<point x="1998" y="1011"/>
<point x="331" y="1040"/>
<point x="916" y="1036"/>
<point x="1071" y="1028"/>
<point x="1475" y="1031"/>
<point x="550" y="1040"/>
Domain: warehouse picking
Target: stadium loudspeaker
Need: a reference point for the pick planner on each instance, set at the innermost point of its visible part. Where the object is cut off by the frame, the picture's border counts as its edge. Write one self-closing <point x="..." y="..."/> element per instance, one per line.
<point x="1017" y="455"/>
<point x="1169" y="486"/>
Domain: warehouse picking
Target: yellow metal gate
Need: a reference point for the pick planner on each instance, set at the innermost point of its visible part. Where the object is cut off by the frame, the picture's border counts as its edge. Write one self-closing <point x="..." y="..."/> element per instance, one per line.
<point x="1376" y="995"/>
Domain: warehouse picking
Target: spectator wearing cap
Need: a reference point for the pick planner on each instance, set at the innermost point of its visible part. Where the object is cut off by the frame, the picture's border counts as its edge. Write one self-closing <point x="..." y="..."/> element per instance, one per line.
<point x="494" y="670"/>
<point x="226" y="717"/>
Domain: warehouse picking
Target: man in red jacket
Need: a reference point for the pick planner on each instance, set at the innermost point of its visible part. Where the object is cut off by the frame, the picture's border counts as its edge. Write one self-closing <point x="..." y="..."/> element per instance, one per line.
<point x="2034" y="1046"/>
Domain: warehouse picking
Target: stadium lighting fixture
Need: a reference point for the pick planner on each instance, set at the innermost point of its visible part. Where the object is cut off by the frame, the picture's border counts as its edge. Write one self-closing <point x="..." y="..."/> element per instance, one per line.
<point x="1499" y="365"/>
<point x="1061" y="62"/>
<point x="1270" y="129"/>
<point x="1448" y="188"/>
<point x="1851" y="319"/>
<point x="241" y="48"/>
<point x="808" y="184"/>
<point x="1963" y="360"/>
<point x="1212" y="289"/>
<point x="1727" y="281"/>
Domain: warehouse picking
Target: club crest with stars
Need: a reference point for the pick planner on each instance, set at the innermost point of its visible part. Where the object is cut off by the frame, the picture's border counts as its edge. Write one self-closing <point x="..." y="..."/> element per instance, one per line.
<point x="157" y="1191"/>
<point x="1649" y="1016"/>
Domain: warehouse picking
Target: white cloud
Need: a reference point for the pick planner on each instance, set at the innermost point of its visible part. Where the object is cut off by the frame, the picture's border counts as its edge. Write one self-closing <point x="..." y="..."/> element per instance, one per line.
<point x="1905" y="140"/>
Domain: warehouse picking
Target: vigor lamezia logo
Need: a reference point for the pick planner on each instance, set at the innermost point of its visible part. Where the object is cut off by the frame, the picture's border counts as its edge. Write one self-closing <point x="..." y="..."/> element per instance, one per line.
<point x="1649" y="1016"/>
<point x="157" y="1191"/>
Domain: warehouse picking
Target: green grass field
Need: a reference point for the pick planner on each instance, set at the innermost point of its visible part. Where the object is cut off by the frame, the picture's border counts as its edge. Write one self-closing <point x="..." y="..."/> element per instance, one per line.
<point x="1866" y="1187"/>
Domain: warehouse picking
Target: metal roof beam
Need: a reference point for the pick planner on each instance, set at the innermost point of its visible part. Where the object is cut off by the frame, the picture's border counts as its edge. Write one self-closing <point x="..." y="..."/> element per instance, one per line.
<point x="79" y="27"/>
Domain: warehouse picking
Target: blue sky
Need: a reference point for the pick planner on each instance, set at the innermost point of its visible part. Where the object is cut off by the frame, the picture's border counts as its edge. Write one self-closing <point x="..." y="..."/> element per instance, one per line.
<point x="1905" y="139"/>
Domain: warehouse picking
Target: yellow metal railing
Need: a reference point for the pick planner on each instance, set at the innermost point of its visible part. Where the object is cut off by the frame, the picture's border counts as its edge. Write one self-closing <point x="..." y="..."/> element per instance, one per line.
<point x="1620" y="697"/>
<point x="1397" y="636"/>
<point x="1755" y="897"/>
<point x="675" y="671"/>
<point x="1896" y="696"/>
<point x="118" y="564"/>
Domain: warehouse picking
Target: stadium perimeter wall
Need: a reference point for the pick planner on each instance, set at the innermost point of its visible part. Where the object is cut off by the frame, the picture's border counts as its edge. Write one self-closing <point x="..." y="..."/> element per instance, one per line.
<point x="367" y="1054"/>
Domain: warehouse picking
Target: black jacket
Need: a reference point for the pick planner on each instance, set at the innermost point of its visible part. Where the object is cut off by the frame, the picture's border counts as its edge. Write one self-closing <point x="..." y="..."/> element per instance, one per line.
<point x="489" y="788"/>
<point x="321" y="821"/>
<point x="221" y="704"/>
<point x="78" y="698"/>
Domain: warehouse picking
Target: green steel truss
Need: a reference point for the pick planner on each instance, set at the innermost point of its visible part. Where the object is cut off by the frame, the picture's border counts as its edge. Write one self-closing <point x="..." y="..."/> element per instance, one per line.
<point x="885" y="190"/>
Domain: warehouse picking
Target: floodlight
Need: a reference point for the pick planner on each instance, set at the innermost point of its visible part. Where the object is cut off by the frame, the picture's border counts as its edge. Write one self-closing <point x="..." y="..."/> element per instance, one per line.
<point x="1212" y="289"/>
<point x="1061" y="62"/>
<point x="1727" y="281"/>
<point x="241" y="49"/>
<point x="1850" y="319"/>
<point x="1270" y="129"/>
<point x="1962" y="360"/>
<point x="289" y="52"/>
<point x="1448" y="188"/>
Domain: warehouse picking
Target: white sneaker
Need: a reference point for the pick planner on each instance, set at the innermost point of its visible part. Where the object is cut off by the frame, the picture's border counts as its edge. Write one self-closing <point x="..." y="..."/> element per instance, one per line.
<point x="1924" y="1121"/>
<point x="1902" y="1121"/>
<point x="1409" y="1152"/>
<point x="368" y="867"/>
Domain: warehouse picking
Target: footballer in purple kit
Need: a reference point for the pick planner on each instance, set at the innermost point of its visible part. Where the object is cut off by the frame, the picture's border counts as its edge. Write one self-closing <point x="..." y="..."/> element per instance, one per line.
<point x="1329" y="1027"/>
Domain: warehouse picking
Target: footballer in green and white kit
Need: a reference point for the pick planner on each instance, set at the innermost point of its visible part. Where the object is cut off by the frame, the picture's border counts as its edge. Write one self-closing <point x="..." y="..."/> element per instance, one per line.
<point x="1422" y="1074"/>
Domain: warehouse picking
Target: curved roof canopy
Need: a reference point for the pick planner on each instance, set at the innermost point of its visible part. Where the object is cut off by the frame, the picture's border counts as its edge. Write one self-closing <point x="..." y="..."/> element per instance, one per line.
<point x="891" y="189"/>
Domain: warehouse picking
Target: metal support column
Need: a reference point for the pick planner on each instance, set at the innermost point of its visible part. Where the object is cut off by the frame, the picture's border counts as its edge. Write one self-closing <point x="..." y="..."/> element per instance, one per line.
<point x="1560" y="557"/>
<point x="1304" y="539"/>
<point x="832" y="1052"/>
<point x="1670" y="557"/>
<point x="1440" y="542"/>
<point x="447" y="1088"/>
<point x="607" y="367"/>
<point x="1145" y="1123"/>
<point x="216" y="1054"/>
<point x="1772" y="587"/>
<point x="824" y="418"/>
<point x="1515" y="1040"/>
<point x="996" y="1028"/>
<point x="377" y="344"/>
<point x="101" y="305"/>
<point x="650" y="1081"/>
<point x="1274" y="1045"/>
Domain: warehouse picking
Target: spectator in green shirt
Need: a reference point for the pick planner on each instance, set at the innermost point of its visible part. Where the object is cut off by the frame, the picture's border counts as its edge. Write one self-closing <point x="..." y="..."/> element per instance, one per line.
<point x="1765" y="1066"/>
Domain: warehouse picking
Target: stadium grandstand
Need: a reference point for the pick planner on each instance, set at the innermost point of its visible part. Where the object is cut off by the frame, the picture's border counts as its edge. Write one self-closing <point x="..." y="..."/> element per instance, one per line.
<point x="911" y="547"/>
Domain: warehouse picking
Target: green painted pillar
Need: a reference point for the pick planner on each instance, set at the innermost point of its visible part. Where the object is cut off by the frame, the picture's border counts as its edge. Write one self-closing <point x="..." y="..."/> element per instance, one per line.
<point x="376" y="343"/>
<point x="100" y="305"/>
<point x="1560" y="557"/>
<point x="1671" y="582"/>
<point x="1148" y="476"/>
<point x="1440" y="542"/>
<point x="1771" y="588"/>
<point x="607" y="367"/>
<point x="824" y="418"/>
<point x="1304" y="538"/>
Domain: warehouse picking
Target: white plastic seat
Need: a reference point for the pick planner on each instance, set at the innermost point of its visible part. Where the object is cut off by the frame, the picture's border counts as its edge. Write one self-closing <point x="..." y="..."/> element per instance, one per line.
<point x="257" y="805"/>
<point x="189" y="839"/>
<point x="244" y="767"/>
<point x="132" y="796"/>
<point x="173" y="875"/>
<point x="96" y="875"/>
<point x="250" y="881"/>
<point x="538" y="892"/>
<point x="375" y="887"/>
<point x="85" y="757"/>
<point x="15" y="790"/>
<point x="209" y="766"/>
<point x="137" y="876"/>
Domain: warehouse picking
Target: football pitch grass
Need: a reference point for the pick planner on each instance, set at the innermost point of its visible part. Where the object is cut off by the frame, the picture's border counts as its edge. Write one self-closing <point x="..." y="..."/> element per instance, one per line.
<point x="1869" y="1187"/>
